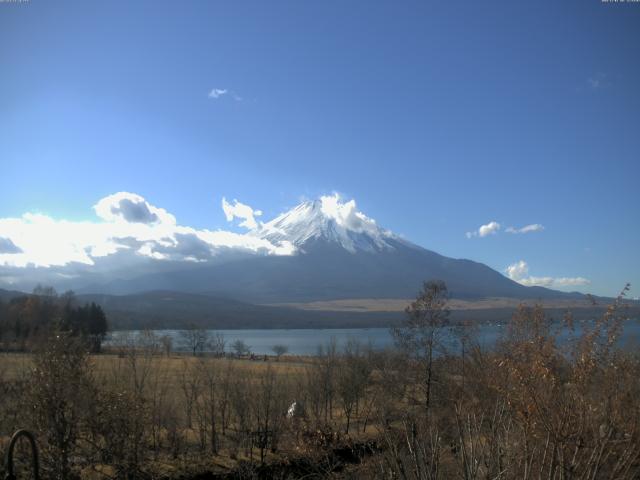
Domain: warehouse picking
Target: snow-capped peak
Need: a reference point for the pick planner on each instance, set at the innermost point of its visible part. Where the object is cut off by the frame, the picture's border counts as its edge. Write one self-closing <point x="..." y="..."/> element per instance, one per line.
<point x="328" y="219"/>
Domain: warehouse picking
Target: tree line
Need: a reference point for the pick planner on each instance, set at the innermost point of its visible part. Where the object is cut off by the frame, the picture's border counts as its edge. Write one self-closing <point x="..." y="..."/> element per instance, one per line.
<point x="28" y="320"/>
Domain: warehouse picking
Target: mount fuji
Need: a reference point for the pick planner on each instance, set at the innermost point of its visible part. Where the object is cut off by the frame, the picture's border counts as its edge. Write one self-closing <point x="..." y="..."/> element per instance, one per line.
<point x="338" y="253"/>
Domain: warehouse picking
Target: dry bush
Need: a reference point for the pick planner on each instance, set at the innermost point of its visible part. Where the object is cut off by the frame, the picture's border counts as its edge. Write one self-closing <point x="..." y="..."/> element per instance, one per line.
<point x="60" y="394"/>
<point x="534" y="407"/>
<point x="119" y="427"/>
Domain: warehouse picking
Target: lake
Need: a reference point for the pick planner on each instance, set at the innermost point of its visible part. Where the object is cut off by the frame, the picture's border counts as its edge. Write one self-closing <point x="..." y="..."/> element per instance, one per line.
<point x="307" y="341"/>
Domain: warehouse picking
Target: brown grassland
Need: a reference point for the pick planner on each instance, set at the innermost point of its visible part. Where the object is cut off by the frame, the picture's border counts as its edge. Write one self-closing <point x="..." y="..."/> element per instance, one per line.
<point x="528" y="408"/>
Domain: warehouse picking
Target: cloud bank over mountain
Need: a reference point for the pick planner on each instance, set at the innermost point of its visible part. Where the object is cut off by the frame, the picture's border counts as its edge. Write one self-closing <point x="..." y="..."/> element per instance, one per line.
<point x="128" y="231"/>
<point x="131" y="237"/>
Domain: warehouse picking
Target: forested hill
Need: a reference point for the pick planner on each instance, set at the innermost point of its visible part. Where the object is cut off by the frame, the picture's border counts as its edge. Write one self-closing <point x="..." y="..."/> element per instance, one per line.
<point x="27" y="320"/>
<point x="175" y="310"/>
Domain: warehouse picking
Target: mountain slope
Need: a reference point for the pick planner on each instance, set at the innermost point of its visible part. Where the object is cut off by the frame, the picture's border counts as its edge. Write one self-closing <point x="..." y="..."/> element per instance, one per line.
<point x="339" y="254"/>
<point x="166" y="309"/>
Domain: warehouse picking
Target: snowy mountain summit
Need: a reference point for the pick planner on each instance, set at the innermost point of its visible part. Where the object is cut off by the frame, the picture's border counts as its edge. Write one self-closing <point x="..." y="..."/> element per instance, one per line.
<point x="328" y="220"/>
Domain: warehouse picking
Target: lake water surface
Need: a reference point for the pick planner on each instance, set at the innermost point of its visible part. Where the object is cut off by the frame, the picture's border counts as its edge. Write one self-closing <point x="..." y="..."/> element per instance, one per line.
<point x="307" y="341"/>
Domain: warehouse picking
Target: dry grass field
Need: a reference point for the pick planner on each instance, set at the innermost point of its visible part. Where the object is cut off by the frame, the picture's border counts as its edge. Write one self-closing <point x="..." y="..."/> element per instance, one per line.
<point x="528" y="407"/>
<point x="399" y="304"/>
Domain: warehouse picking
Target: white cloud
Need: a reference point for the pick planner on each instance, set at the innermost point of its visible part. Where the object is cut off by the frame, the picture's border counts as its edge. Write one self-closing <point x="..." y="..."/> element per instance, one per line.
<point x="519" y="272"/>
<point x="45" y="242"/>
<point x="494" y="227"/>
<point x="537" y="281"/>
<point x="570" y="281"/>
<point x="129" y="229"/>
<point x="534" y="227"/>
<point x="131" y="208"/>
<point x="346" y="214"/>
<point x="216" y="93"/>
<point x="598" y="80"/>
<point x="490" y="228"/>
<point x="349" y="219"/>
<point x="240" y="210"/>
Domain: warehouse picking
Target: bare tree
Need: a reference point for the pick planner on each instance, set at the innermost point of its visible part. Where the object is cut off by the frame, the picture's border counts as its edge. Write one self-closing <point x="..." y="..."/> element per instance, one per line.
<point x="241" y="348"/>
<point x="240" y="400"/>
<point x="211" y="377"/>
<point x="353" y="377"/>
<point x="465" y="332"/>
<point x="223" y="408"/>
<point x="217" y="345"/>
<point x="327" y="366"/>
<point x="190" y="387"/>
<point x="148" y="342"/>
<point x="280" y="350"/>
<point x="167" y="344"/>
<point x="420" y="334"/>
<point x="195" y="339"/>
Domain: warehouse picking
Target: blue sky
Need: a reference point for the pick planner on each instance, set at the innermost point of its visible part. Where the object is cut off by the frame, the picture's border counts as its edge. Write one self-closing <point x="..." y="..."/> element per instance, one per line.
<point x="436" y="117"/>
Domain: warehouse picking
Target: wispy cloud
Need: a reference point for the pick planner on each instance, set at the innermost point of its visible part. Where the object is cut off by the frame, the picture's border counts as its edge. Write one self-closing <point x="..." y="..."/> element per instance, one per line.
<point x="494" y="227"/>
<point x="490" y="228"/>
<point x="216" y="93"/>
<point x="598" y="81"/>
<point x="519" y="272"/>
<point x="570" y="281"/>
<point x="242" y="211"/>
<point x="534" y="227"/>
